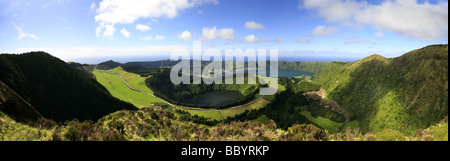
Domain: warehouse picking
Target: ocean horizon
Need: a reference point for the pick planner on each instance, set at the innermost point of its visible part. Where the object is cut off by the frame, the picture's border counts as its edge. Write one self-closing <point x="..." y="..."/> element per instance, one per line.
<point x="122" y="59"/>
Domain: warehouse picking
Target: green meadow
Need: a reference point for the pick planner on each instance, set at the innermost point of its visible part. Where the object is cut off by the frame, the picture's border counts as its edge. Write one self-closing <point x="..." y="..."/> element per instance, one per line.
<point x="236" y="111"/>
<point x="223" y="114"/>
<point x="271" y="79"/>
<point x="134" y="80"/>
<point x="324" y="123"/>
<point x="118" y="89"/>
<point x="262" y="119"/>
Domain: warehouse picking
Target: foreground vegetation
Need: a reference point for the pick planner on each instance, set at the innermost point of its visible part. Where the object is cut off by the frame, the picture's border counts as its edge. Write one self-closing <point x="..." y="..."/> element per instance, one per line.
<point x="153" y="125"/>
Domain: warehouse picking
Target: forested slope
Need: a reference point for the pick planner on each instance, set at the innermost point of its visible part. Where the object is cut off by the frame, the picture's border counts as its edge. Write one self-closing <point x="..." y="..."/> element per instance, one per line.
<point x="405" y="93"/>
<point x="56" y="89"/>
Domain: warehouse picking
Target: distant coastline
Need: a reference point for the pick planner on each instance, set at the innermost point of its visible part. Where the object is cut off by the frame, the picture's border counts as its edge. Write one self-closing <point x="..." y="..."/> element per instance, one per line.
<point x="122" y="59"/>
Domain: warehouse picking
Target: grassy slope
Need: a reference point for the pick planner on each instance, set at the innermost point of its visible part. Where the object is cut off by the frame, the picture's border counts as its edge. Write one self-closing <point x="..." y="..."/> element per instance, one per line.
<point x="262" y="119"/>
<point x="10" y="130"/>
<point x="118" y="89"/>
<point x="271" y="79"/>
<point x="350" y="125"/>
<point x="134" y="80"/>
<point x="324" y="123"/>
<point x="235" y="111"/>
<point x="220" y="115"/>
<point x="16" y="107"/>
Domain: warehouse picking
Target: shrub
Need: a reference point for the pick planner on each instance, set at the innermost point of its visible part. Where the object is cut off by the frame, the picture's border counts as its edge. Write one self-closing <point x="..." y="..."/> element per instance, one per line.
<point x="112" y="135"/>
<point x="305" y="132"/>
<point x="56" y="136"/>
<point x="43" y="123"/>
<point x="79" y="131"/>
<point x="390" y="135"/>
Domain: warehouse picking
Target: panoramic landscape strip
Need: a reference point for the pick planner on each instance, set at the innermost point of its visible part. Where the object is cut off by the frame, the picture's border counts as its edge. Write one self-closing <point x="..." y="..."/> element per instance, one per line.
<point x="224" y="70"/>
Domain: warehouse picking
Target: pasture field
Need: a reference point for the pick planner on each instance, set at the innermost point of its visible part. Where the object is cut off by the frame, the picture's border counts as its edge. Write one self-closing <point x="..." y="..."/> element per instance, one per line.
<point x="134" y="80"/>
<point x="236" y="111"/>
<point x="118" y="89"/>
<point x="225" y="113"/>
<point x="324" y="123"/>
<point x="352" y="124"/>
<point x="213" y="115"/>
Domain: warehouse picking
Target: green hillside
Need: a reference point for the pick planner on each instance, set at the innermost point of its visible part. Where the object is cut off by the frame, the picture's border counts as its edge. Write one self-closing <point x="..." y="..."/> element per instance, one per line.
<point x="406" y="93"/>
<point x="56" y="89"/>
<point x="15" y="107"/>
<point x="313" y="67"/>
<point x="114" y="84"/>
<point x="107" y="65"/>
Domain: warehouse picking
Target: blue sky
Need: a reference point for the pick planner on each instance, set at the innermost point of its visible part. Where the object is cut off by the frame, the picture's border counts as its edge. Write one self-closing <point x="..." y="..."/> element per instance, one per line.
<point x="81" y="30"/>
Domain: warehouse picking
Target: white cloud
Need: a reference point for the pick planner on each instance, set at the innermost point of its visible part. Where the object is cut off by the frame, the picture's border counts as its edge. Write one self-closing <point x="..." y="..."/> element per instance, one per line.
<point x="23" y="34"/>
<point x="125" y="33"/>
<point x="105" y="30"/>
<point x="186" y="35"/>
<point x="141" y="27"/>
<point x="253" y="25"/>
<point x="159" y="37"/>
<point x="252" y="39"/>
<point x="411" y="18"/>
<point x="119" y="11"/>
<point x="335" y="10"/>
<point x="214" y="33"/>
<point x="379" y="35"/>
<point x="279" y="40"/>
<point x="93" y="5"/>
<point x="304" y="41"/>
<point x="323" y="30"/>
<point x="112" y="12"/>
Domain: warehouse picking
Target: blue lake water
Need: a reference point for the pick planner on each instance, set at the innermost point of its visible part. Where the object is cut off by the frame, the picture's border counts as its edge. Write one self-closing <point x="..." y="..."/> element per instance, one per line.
<point x="215" y="98"/>
<point x="292" y="73"/>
